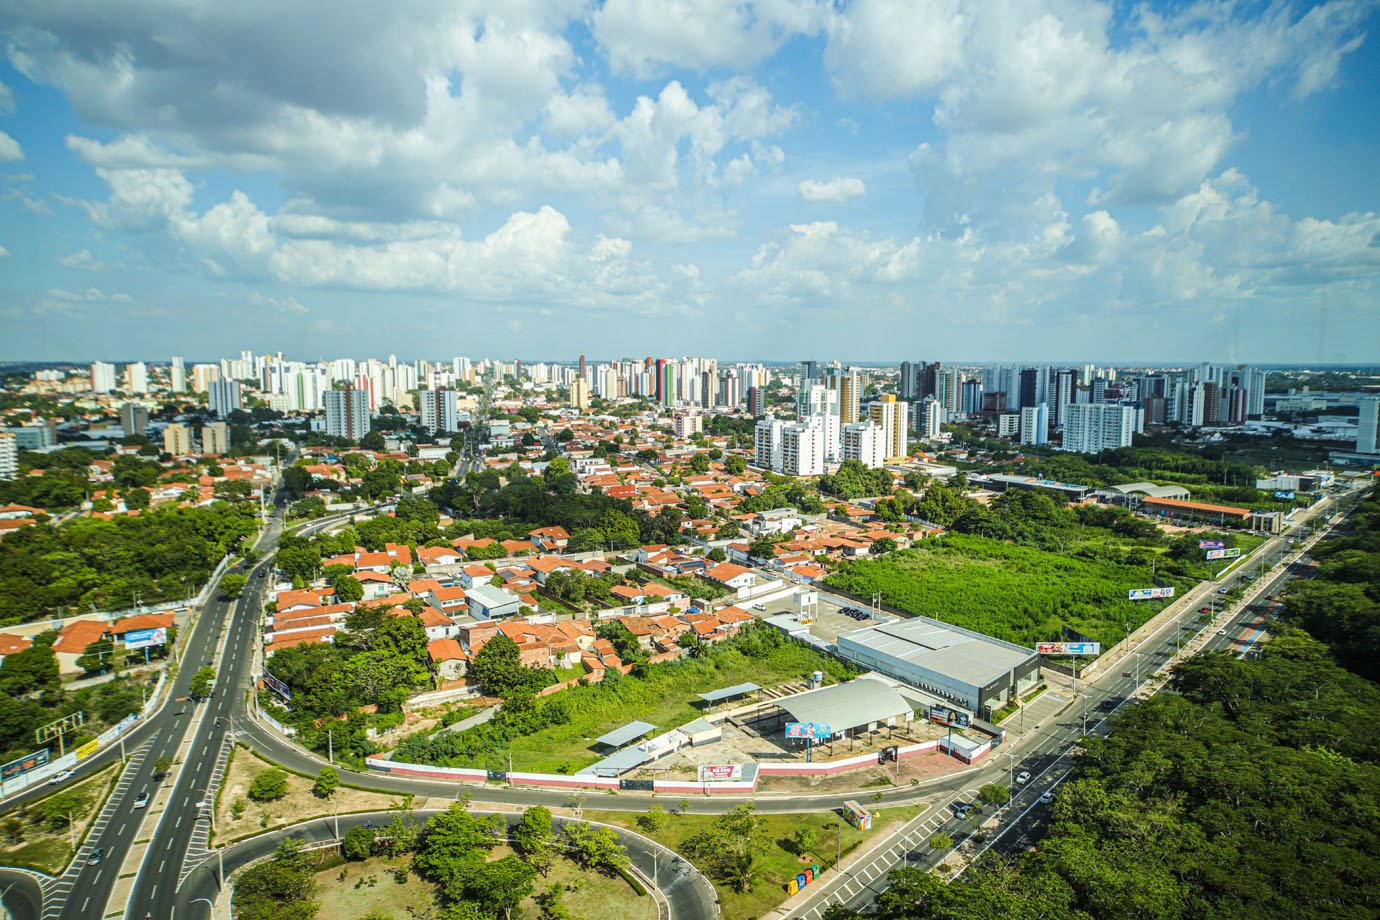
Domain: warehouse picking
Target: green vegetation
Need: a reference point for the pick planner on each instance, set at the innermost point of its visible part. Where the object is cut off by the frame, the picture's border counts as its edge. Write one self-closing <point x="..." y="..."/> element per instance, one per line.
<point x="1251" y="791"/>
<point x="38" y="835"/>
<point x="202" y="681"/>
<point x="86" y="563"/>
<point x="376" y="660"/>
<point x="853" y="480"/>
<point x="551" y="734"/>
<point x="1016" y="593"/>
<point x="269" y="786"/>
<point x="31" y="695"/>
<point x="280" y="888"/>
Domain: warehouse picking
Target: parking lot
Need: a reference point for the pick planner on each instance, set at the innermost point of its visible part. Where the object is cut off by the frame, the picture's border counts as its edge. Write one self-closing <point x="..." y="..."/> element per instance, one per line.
<point x="832" y="618"/>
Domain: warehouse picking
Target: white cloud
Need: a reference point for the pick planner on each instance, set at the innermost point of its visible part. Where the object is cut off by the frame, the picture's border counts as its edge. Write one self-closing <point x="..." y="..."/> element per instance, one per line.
<point x="832" y="191"/>
<point x="10" y="151"/>
<point x="885" y="49"/>
<point x="4" y="254"/>
<point x="82" y="259"/>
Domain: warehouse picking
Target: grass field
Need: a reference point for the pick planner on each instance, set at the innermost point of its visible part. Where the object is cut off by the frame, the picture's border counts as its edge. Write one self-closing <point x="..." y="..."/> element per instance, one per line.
<point x="29" y="841"/>
<point x="665" y="697"/>
<point x="1012" y="592"/>
<point x="779" y="864"/>
<point x="376" y="886"/>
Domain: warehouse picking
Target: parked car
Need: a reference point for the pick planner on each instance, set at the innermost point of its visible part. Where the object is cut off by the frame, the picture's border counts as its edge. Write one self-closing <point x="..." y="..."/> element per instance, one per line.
<point x="962" y="811"/>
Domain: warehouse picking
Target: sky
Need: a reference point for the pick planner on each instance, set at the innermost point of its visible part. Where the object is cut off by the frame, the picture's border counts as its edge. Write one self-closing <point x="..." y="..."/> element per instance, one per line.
<point x="1038" y="180"/>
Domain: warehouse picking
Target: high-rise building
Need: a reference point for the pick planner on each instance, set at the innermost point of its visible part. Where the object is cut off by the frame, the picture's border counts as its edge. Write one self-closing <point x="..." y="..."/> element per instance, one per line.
<point x="438" y="410"/>
<point x="1095" y="427"/>
<point x="1368" y="425"/>
<point x="757" y="402"/>
<point x="347" y="413"/>
<point x="223" y="397"/>
<point x="215" y="438"/>
<point x="866" y="443"/>
<point x="802" y="449"/>
<point x="1065" y="393"/>
<point x="1028" y="386"/>
<point x="709" y="389"/>
<point x="893" y="417"/>
<point x="177" y="440"/>
<point x="102" y="377"/>
<point x="582" y="366"/>
<point x="905" y="386"/>
<point x="9" y="456"/>
<point x="137" y="378"/>
<point x="177" y="375"/>
<point x="579" y="394"/>
<point x="767" y="444"/>
<point x="809" y="370"/>
<point x="929" y="418"/>
<point x="134" y="419"/>
<point x="1035" y="424"/>
<point x="39" y="435"/>
<point x="688" y="424"/>
<point x="850" y="395"/>
<point x="971" y="402"/>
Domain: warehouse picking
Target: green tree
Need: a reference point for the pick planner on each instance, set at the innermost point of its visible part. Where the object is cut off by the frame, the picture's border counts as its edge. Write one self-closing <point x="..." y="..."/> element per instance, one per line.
<point x="281" y="888"/>
<point x="327" y="781"/>
<point x="232" y="585"/>
<point x="804" y="839"/>
<point x="201" y="683"/>
<point x="735" y="464"/>
<point x="883" y="545"/>
<point x="33" y="670"/>
<point x="596" y="848"/>
<point x="373" y="441"/>
<point x="994" y="794"/>
<point x="653" y="819"/>
<point x="941" y="841"/>
<point x="269" y="785"/>
<point x="503" y="884"/>
<point x="138" y="499"/>
<point x="58" y="811"/>
<point x="98" y="657"/>
<point x="532" y="837"/>
<point x="731" y="847"/>
<point x="358" y="842"/>
<point x="499" y="670"/>
<point x="348" y="590"/>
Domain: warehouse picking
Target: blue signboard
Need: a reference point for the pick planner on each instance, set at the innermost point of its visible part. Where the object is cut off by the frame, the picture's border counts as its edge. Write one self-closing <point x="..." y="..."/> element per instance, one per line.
<point x="1284" y="495"/>
<point x="146" y="638"/>
<point x="814" y="731"/>
<point x="24" y="764"/>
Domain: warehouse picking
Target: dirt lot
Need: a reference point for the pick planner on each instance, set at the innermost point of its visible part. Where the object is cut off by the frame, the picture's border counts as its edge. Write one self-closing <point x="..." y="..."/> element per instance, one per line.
<point x="298" y="805"/>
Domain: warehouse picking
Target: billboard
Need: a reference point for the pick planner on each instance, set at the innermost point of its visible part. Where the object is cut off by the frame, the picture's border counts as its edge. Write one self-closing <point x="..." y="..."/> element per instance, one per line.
<point x="1223" y="553"/>
<point x="276" y="685"/>
<point x="1284" y="495"/>
<point x="1148" y="594"/>
<point x="813" y="731"/>
<point x="857" y="816"/>
<point x="1210" y="544"/>
<point x="146" y="638"/>
<point x="720" y="772"/>
<point x="89" y="748"/>
<point x="1068" y="648"/>
<point x="24" y="764"/>
<point x="946" y="716"/>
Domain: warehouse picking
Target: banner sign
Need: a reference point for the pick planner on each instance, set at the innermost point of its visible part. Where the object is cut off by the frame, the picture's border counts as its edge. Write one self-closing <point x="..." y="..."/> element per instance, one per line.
<point x="814" y="731"/>
<point x="89" y="748"/>
<point x="1224" y="553"/>
<point x="1148" y="594"/>
<point x="276" y="685"/>
<point x="24" y="764"/>
<point x="1211" y="544"/>
<point x="951" y="717"/>
<point x="720" y="772"/>
<point x="1068" y="648"/>
<point x="146" y="638"/>
<point x="1284" y="495"/>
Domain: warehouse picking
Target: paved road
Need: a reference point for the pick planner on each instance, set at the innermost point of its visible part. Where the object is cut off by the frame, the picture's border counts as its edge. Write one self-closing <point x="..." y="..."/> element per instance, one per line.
<point x="690" y="895"/>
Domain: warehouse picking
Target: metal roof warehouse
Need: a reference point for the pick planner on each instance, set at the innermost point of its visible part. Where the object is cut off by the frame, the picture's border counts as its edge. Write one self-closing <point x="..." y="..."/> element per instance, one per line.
<point x="953" y="663"/>
<point x="859" y="703"/>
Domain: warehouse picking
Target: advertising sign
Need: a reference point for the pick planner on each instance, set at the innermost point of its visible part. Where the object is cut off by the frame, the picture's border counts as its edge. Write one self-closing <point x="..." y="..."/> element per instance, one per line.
<point x="1148" y="594"/>
<point x="24" y="764"/>
<point x="720" y="772"/>
<point x="1284" y="495"/>
<point x="1069" y="648"/>
<point x="946" y="716"/>
<point x="1224" y="553"/>
<point x="89" y="748"/>
<point x="1210" y="544"/>
<point x="815" y="731"/>
<point x="146" y="638"/>
<point x="276" y="685"/>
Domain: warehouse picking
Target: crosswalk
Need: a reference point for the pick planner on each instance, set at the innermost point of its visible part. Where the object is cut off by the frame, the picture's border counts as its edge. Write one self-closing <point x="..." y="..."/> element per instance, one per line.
<point x="56" y="891"/>
<point x="199" y="847"/>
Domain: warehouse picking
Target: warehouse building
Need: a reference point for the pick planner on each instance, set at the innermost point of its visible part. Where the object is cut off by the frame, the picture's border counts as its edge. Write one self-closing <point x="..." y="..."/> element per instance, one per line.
<point x="975" y="671"/>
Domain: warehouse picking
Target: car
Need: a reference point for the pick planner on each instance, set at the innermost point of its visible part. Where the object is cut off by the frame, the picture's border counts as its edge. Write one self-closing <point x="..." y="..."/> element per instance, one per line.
<point x="1047" y="798"/>
<point x="758" y="607"/>
<point x="94" y="859"/>
<point x="60" y="777"/>
<point x="962" y="811"/>
<point x="1205" y="610"/>
<point x="1022" y="777"/>
<point x="1269" y="597"/>
<point x="1221" y="632"/>
<point x="205" y="803"/>
<point x="141" y="800"/>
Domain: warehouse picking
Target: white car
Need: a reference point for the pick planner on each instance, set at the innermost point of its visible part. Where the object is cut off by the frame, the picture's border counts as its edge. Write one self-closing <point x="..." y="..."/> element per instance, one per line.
<point x="141" y="800"/>
<point x="1047" y="798"/>
<point x="1022" y="777"/>
<point x="758" y="607"/>
<point x="1221" y="632"/>
<point x="62" y="777"/>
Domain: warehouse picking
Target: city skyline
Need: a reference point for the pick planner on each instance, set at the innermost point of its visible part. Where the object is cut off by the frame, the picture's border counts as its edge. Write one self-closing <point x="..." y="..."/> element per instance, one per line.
<point x="762" y="179"/>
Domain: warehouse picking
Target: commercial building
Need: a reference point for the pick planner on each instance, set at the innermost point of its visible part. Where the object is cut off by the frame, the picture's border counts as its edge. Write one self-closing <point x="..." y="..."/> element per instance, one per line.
<point x="134" y="419"/>
<point x="975" y="671"/>
<point x="1095" y="427"/>
<point x="1000" y="482"/>
<point x="858" y="706"/>
<point x="347" y="413"/>
<point x="438" y="410"/>
<point x="223" y="397"/>
<point x="177" y="440"/>
<point x="1196" y="511"/>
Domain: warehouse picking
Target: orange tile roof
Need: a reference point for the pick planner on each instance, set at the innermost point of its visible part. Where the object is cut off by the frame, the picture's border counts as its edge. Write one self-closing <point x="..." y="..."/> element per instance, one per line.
<point x="75" y="637"/>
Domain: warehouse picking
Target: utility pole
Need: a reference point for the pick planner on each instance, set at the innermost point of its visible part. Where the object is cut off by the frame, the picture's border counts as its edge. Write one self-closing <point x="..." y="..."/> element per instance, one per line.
<point x="330" y="747"/>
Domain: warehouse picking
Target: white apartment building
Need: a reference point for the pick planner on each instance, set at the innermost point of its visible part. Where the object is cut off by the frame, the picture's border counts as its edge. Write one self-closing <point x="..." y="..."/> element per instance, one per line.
<point x="1368" y="426"/>
<point x="177" y="375"/>
<point x="767" y="443"/>
<point x="1035" y="424"/>
<point x="688" y="425"/>
<point x="865" y="443"/>
<point x="9" y="455"/>
<point x="137" y="378"/>
<point x="1094" y="427"/>
<point x="929" y="418"/>
<point x="223" y="397"/>
<point x="102" y="377"/>
<point x="802" y="449"/>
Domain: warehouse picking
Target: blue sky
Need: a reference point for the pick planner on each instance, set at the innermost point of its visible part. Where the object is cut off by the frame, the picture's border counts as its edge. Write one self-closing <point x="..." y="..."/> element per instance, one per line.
<point x="1038" y="180"/>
